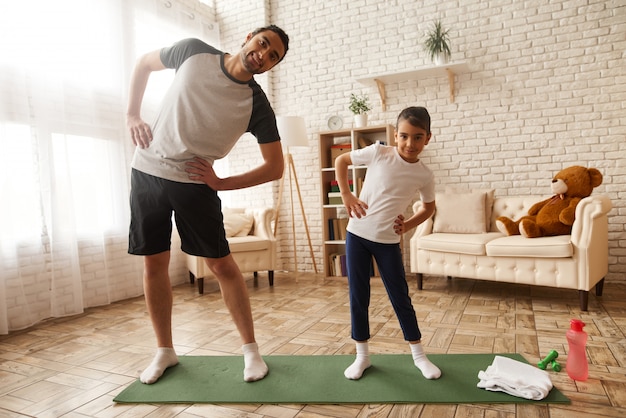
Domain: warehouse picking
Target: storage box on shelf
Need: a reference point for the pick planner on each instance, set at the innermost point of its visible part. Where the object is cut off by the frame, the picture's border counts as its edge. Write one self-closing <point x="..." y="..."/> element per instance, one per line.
<point x="334" y="216"/>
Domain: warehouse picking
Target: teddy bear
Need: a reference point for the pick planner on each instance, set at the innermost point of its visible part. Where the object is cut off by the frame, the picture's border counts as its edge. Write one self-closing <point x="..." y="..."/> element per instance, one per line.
<point x="555" y="215"/>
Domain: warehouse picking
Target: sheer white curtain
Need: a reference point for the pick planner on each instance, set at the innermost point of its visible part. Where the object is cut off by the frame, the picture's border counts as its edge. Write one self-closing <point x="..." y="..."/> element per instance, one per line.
<point x="64" y="150"/>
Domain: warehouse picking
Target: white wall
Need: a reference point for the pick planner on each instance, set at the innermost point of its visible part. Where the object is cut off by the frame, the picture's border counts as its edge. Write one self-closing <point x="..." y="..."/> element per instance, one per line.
<point x="545" y="90"/>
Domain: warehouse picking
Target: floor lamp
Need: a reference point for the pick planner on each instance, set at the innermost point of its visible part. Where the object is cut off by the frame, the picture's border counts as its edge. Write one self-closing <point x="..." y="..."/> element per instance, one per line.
<point x="293" y="134"/>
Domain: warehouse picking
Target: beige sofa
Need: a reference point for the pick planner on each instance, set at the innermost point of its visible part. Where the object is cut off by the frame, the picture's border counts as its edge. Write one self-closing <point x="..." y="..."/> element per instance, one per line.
<point x="453" y="245"/>
<point x="251" y="240"/>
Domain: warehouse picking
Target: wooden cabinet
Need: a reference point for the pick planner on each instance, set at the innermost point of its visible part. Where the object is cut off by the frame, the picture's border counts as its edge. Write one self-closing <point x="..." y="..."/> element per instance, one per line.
<point x="334" y="215"/>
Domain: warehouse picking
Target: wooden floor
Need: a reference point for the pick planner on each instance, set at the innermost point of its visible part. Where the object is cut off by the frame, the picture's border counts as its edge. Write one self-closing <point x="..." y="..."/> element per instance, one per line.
<point x="74" y="367"/>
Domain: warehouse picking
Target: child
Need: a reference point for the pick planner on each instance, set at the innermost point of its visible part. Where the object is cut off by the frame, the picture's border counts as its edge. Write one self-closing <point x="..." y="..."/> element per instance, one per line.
<point x="394" y="176"/>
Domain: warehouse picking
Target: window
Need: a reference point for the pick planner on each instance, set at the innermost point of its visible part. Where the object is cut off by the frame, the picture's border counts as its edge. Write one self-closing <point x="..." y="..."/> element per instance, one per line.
<point x="20" y="211"/>
<point x="63" y="78"/>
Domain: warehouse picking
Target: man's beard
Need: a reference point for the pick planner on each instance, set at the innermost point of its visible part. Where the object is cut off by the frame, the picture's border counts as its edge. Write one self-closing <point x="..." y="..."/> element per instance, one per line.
<point x="249" y="64"/>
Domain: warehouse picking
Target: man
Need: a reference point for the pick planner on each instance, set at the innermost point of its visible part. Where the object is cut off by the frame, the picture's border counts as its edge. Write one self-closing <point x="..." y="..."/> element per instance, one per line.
<point x="212" y="101"/>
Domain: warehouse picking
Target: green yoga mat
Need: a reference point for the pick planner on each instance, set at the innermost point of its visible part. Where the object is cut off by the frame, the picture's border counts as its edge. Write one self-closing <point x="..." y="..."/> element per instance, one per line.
<point x="320" y="380"/>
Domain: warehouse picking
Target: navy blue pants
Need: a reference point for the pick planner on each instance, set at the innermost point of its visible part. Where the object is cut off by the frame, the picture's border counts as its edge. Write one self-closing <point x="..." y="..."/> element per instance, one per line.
<point x="388" y="257"/>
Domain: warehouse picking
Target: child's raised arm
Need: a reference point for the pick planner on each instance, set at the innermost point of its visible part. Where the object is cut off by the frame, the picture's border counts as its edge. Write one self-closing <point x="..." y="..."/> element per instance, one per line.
<point x="424" y="212"/>
<point x="354" y="206"/>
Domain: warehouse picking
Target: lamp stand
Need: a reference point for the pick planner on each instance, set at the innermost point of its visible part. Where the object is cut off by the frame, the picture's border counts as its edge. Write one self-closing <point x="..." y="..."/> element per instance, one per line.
<point x="292" y="171"/>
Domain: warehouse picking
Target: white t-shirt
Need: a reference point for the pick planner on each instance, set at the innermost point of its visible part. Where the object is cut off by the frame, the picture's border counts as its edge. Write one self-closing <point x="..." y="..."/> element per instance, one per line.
<point x="204" y="113"/>
<point x="389" y="188"/>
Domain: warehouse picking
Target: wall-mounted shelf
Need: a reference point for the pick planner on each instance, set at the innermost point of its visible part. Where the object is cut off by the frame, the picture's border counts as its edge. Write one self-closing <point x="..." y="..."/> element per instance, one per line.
<point x="380" y="81"/>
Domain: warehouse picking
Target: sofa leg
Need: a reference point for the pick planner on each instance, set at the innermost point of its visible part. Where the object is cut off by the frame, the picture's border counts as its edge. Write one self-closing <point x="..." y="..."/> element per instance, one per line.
<point x="583" y="295"/>
<point x="201" y="285"/>
<point x="420" y="281"/>
<point x="599" y="287"/>
<point x="270" y="276"/>
<point x="255" y="274"/>
<point x="192" y="278"/>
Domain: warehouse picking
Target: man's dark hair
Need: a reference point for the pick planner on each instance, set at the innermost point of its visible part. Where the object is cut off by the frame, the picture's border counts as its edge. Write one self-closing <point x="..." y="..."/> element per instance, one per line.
<point x="278" y="31"/>
<point x="416" y="116"/>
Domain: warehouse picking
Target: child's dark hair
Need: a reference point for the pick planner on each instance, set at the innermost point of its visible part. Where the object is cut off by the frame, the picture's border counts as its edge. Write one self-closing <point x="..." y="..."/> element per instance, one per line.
<point x="278" y="31"/>
<point x="416" y="116"/>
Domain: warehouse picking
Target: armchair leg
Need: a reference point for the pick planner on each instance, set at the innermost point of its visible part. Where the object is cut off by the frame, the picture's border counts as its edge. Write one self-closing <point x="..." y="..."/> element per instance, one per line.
<point x="599" y="287"/>
<point x="420" y="281"/>
<point x="583" y="296"/>
<point x="201" y="285"/>
<point x="270" y="276"/>
<point x="192" y="278"/>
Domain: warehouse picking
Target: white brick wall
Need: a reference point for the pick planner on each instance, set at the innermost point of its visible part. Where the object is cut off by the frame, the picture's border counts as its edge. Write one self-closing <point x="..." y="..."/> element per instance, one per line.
<point x="546" y="89"/>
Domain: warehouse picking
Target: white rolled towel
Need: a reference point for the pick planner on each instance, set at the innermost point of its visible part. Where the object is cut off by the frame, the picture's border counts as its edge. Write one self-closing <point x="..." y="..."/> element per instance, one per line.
<point x="515" y="378"/>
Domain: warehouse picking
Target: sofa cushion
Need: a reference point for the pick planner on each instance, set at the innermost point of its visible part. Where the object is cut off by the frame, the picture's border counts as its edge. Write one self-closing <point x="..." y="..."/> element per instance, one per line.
<point x="237" y="223"/>
<point x="461" y="213"/>
<point x="490" y="197"/>
<point x="519" y="246"/>
<point x="247" y="243"/>
<point x="473" y="244"/>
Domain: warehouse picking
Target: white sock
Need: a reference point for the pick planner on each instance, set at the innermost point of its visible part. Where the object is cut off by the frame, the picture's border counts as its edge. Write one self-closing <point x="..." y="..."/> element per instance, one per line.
<point x="428" y="369"/>
<point x="361" y="363"/>
<point x="165" y="357"/>
<point x="254" y="366"/>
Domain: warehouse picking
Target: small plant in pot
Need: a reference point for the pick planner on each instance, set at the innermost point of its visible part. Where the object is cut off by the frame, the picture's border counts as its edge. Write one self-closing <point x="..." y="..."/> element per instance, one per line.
<point x="437" y="44"/>
<point x="359" y="105"/>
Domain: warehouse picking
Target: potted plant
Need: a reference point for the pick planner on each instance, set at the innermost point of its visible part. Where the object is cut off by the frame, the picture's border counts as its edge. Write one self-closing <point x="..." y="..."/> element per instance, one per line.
<point x="437" y="44"/>
<point x="359" y="105"/>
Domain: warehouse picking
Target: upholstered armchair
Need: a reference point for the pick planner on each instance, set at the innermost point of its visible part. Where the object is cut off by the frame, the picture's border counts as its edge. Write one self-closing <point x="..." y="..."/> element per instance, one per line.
<point x="252" y="244"/>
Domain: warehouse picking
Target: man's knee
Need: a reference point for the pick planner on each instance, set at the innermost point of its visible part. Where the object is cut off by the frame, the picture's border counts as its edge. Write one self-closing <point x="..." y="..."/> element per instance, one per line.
<point x="157" y="263"/>
<point x="223" y="268"/>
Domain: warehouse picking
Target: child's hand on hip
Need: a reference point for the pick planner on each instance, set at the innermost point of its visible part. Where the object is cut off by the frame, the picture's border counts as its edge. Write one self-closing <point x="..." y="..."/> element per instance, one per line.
<point x="354" y="206"/>
<point x="398" y="225"/>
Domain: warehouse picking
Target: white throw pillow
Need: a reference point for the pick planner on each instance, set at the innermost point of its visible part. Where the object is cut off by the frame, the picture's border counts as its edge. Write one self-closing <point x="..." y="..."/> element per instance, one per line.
<point x="460" y="213"/>
<point x="489" y="199"/>
<point x="236" y="223"/>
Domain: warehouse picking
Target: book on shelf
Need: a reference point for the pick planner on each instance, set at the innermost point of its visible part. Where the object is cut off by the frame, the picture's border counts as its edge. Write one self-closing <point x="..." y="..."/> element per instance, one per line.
<point x="342" y="225"/>
<point x="337" y="228"/>
<point x="338" y="267"/>
<point x="337" y="263"/>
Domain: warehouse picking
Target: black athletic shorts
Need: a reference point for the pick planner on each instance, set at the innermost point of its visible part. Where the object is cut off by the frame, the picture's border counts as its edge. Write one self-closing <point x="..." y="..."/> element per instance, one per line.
<point x="197" y="211"/>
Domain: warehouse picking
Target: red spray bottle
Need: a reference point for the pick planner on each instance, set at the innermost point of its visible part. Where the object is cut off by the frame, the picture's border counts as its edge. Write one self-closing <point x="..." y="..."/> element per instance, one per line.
<point x="577" y="366"/>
